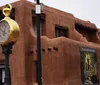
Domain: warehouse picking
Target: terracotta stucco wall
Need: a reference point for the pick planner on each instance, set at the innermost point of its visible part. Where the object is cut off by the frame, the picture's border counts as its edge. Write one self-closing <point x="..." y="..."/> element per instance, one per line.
<point x="60" y="56"/>
<point x="62" y="67"/>
<point x="17" y="58"/>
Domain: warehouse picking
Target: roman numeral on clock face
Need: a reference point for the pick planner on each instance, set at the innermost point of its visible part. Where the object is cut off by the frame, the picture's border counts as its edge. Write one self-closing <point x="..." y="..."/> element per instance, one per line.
<point x="4" y="30"/>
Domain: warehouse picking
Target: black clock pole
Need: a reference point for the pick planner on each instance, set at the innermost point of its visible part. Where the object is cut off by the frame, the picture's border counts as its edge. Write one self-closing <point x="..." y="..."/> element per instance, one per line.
<point x="7" y="50"/>
<point x="39" y="66"/>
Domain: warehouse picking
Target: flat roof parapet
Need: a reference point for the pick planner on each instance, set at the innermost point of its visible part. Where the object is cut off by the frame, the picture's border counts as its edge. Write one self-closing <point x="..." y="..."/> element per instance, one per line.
<point x="87" y="24"/>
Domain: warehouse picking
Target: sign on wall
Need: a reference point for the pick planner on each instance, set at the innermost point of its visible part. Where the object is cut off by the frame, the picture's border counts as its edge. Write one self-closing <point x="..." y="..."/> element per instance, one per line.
<point x="89" y="74"/>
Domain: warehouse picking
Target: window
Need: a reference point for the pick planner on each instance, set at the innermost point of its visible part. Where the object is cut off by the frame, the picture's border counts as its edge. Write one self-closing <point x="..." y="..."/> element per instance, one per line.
<point x="42" y="23"/>
<point x="1" y="15"/>
<point x="87" y="32"/>
<point x="61" y="31"/>
<point x="2" y="74"/>
<point x="12" y="15"/>
<point x="35" y="28"/>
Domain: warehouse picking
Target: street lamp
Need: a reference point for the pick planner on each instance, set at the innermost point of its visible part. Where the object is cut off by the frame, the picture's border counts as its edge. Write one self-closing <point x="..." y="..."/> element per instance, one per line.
<point x="39" y="66"/>
<point x="9" y="33"/>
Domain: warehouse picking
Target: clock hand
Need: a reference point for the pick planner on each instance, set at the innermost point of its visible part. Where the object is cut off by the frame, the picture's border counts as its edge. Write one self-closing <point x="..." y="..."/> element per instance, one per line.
<point x="3" y="31"/>
<point x="0" y="34"/>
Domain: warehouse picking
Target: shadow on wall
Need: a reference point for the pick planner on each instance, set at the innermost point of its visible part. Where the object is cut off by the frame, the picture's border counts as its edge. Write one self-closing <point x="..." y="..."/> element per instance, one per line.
<point x="87" y="34"/>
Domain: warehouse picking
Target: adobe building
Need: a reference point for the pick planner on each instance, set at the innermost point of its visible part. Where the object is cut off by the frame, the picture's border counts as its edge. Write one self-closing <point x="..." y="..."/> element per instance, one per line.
<point x="70" y="48"/>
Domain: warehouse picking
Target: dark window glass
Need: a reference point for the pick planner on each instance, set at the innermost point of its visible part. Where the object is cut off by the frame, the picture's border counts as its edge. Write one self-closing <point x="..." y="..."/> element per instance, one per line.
<point x="12" y="15"/>
<point x="61" y="31"/>
<point x="87" y="32"/>
<point x="42" y="23"/>
<point x="1" y="15"/>
<point x="34" y="26"/>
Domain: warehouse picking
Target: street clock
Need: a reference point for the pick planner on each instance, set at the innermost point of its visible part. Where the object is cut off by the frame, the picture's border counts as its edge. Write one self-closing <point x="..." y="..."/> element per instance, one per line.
<point x="9" y="29"/>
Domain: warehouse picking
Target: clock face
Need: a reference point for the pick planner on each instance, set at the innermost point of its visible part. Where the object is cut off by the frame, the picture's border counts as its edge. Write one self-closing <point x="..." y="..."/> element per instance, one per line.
<point x="4" y="31"/>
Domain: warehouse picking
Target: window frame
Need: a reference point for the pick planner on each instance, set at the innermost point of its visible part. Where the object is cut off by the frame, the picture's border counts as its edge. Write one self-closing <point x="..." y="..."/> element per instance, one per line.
<point x="64" y="30"/>
<point x="12" y="15"/>
<point x="42" y="26"/>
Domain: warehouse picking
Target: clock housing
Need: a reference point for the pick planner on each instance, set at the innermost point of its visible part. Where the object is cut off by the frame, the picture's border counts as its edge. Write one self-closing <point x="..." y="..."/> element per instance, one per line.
<point x="9" y="31"/>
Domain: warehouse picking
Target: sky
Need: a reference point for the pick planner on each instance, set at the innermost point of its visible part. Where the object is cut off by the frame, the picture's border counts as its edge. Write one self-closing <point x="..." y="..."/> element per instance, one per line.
<point x="83" y="9"/>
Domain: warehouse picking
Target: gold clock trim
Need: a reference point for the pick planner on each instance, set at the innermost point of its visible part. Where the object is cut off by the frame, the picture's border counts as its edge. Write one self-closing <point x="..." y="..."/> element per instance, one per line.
<point x="7" y="10"/>
<point x="14" y="31"/>
<point x="14" y="27"/>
